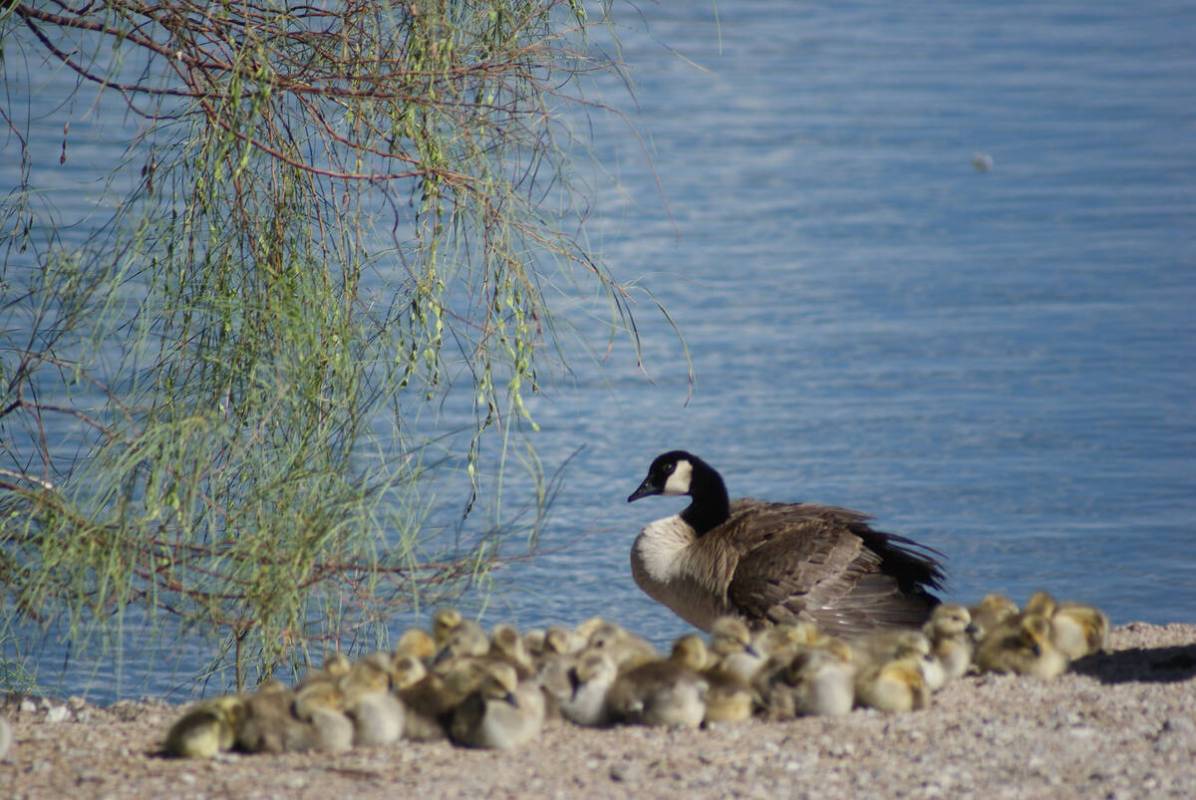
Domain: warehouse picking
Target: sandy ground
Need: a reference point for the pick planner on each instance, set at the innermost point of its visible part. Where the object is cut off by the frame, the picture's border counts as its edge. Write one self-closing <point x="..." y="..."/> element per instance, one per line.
<point x="1119" y="725"/>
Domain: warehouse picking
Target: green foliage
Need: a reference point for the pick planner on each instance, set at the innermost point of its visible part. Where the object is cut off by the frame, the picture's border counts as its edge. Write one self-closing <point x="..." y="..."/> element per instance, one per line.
<point x="335" y="220"/>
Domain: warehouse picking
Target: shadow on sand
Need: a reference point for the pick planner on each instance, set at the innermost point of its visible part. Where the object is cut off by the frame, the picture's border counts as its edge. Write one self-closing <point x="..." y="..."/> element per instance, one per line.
<point x="1141" y="665"/>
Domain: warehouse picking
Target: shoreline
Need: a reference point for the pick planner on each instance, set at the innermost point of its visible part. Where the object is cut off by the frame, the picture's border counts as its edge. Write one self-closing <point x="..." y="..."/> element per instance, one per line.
<point x="1117" y="725"/>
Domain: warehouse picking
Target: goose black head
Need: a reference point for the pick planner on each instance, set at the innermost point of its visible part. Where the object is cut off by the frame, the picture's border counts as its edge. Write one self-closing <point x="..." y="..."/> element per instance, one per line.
<point x="670" y="474"/>
<point x="678" y="472"/>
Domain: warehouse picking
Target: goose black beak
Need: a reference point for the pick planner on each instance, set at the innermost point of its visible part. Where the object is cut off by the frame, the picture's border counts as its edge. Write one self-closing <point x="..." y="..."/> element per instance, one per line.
<point x="646" y="488"/>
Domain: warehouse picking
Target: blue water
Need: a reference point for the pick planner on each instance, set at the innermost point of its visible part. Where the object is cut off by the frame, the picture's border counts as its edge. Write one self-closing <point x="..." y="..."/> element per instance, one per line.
<point x="999" y="364"/>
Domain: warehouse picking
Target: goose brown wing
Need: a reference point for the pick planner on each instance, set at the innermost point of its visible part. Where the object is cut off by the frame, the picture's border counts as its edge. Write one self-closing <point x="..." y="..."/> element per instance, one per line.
<point x="825" y="564"/>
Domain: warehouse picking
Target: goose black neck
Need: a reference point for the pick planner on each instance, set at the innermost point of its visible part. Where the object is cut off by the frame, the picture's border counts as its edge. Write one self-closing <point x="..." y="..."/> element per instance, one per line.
<point x="711" y="506"/>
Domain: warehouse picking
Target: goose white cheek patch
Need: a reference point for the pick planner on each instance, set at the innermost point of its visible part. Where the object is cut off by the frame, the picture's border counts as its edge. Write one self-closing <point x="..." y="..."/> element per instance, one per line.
<point x="678" y="482"/>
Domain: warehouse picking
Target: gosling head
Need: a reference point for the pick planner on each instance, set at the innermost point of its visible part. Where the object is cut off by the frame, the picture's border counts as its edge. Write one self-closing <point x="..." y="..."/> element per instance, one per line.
<point x="605" y="636"/>
<point x="670" y="474"/>
<point x="506" y="641"/>
<point x="444" y="622"/>
<point x="337" y="664"/>
<point x="1036" y="632"/>
<point x="729" y="635"/>
<point x="996" y="607"/>
<point x="415" y="642"/>
<point x="559" y="641"/>
<point x="1041" y="603"/>
<point x="690" y="651"/>
<point x="949" y="619"/>
<point x="500" y="682"/>
<point x="408" y="671"/>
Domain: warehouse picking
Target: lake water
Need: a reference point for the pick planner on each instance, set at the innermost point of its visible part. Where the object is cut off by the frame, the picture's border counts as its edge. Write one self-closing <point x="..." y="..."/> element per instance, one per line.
<point x="999" y="364"/>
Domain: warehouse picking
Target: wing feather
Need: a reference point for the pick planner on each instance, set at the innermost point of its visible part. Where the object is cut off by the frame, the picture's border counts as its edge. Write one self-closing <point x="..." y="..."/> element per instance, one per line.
<point x="801" y="561"/>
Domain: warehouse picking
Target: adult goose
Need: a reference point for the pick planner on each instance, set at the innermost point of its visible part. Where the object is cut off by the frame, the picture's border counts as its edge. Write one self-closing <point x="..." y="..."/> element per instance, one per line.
<point x="771" y="563"/>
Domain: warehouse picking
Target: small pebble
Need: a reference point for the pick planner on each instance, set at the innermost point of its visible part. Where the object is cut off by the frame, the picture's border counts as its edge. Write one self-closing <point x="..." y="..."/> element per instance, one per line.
<point x="1179" y="725"/>
<point x="626" y="772"/>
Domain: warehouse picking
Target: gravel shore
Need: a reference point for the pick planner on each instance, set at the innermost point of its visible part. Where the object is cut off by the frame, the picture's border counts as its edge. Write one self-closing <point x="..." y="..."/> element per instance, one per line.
<point x="1119" y="725"/>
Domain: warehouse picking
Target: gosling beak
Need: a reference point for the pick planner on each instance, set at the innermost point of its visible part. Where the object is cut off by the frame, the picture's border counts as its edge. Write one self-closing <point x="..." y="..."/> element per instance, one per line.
<point x="752" y="651"/>
<point x="972" y="630"/>
<point x="646" y="488"/>
<point x="512" y="699"/>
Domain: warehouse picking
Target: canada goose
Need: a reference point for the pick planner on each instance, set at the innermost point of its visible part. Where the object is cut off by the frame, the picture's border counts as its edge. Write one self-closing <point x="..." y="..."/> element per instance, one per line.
<point x="815" y="682"/>
<point x="558" y="678"/>
<point x="268" y="726"/>
<point x="408" y="671"/>
<point x="734" y="652"/>
<point x="782" y="642"/>
<point x="626" y="648"/>
<point x="377" y="718"/>
<point x="588" y="681"/>
<point x="1022" y="645"/>
<point x="950" y="631"/>
<point x="332" y="730"/>
<point x="824" y="684"/>
<point x="507" y="645"/>
<point x="429" y="700"/>
<point x="207" y="729"/>
<point x="562" y="641"/>
<point x="899" y="644"/>
<point x="992" y="610"/>
<point x="423" y="710"/>
<point x="894" y="686"/>
<point x="377" y="715"/>
<point x="468" y="639"/>
<point x="779" y="643"/>
<point x="371" y="674"/>
<point x="444" y="622"/>
<point x="533" y="642"/>
<point x="669" y="692"/>
<point x="1077" y="630"/>
<point x="415" y="642"/>
<point x="324" y="693"/>
<point x="503" y="713"/>
<point x="727" y="699"/>
<point x="775" y="562"/>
